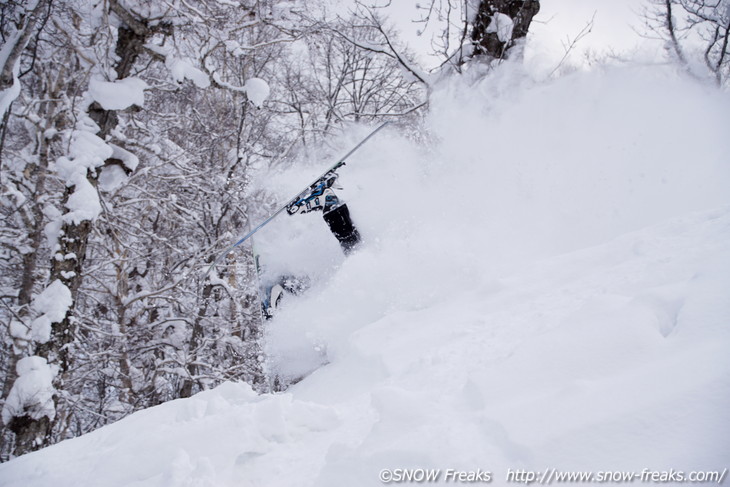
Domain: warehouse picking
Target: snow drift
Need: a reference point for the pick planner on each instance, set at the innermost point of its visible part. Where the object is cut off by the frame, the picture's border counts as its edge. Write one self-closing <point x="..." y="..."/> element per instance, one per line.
<point x="543" y="284"/>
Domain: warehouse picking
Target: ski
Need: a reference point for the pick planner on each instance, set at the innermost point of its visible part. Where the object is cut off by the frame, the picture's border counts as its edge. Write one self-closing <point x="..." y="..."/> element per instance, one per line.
<point x="340" y="162"/>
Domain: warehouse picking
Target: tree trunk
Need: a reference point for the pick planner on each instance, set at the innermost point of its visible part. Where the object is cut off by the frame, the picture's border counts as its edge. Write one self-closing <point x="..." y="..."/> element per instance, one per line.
<point x="189" y="383"/>
<point x="71" y="252"/>
<point x="486" y="40"/>
<point x="31" y="434"/>
<point x="7" y="75"/>
<point x="74" y="237"/>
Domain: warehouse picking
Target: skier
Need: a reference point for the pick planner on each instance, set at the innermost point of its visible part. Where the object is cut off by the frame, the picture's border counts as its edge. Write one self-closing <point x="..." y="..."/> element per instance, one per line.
<point x="318" y="196"/>
<point x="336" y="215"/>
<point x="321" y="196"/>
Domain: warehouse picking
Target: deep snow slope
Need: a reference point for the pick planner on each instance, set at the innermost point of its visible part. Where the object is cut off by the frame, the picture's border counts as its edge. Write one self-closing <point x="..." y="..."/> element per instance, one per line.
<point x="544" y="283"/>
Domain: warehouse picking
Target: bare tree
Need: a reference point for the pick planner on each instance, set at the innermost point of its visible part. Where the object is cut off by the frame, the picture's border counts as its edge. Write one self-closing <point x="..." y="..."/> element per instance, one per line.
<point x="694" y="30"/>
<point x="18" y="25"/>
<point x="339" y="81"/>
<point x="135" y="331"/>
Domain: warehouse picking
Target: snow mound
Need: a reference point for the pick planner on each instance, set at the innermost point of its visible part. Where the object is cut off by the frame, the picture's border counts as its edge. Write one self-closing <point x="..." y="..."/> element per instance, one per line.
<point x="180" y="69"/>
<point x="118" y="95"/>
<point x="502" y="25"/>
<point x="86" y="152"/>
<point x="52" y="305"/>
<point x="257" y="91"/>
<point x="32" y="392"/>
<point x="246" y="427"/>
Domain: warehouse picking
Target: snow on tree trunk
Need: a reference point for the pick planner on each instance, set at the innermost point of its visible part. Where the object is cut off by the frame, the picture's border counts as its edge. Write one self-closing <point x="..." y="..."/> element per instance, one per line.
<point x="29" y="409"/>
<point x="500" y="25"/>
<point x="52" y="304"/>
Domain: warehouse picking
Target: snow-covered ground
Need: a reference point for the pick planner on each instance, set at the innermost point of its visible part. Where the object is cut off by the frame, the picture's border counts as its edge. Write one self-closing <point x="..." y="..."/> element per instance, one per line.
<point x="544" y="283"/>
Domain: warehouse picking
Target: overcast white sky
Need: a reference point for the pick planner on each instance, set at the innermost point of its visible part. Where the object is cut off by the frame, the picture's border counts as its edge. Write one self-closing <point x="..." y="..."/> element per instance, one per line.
<point x="615" y="27"/>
